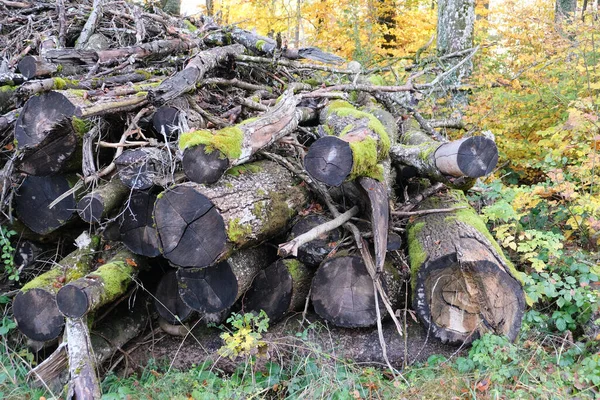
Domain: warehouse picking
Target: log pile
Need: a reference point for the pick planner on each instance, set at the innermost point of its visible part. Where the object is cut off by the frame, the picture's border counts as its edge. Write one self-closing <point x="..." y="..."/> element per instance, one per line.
<point x="198" y="147"/>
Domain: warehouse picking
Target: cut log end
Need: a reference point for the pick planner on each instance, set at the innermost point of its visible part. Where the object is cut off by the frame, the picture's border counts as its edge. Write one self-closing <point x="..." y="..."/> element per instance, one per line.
<point x="477" y="156"/>
<point x="33" y="197"/>
<point x="37" y="315"/>
<point x="166" y="122"/>
<point x="208" y="290"/>
<point x="461" y="302"/>
<point x="191" y="230"/>
<point x="72" y="301"/>
<point x="271" y="291"/>
<point x="314" y="252"/>
<point x="90" y="209"/>
<point x="342" y="293"/>
<point x="329" y="160"/>
<point x="137" y="229"/>
<point x="201" y="166"/>
<point x="169" y="304"/>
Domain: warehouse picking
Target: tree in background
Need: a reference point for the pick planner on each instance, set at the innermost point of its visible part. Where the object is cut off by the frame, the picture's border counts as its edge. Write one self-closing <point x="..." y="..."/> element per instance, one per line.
<point x="565" y="9"/>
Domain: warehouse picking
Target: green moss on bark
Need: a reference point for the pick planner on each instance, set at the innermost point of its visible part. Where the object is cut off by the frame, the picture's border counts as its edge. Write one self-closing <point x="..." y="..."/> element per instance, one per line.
<point x="227" y="140"/>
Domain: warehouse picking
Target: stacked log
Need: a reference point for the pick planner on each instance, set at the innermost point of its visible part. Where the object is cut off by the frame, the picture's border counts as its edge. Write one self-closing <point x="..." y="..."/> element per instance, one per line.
<point x="210" y="181"/>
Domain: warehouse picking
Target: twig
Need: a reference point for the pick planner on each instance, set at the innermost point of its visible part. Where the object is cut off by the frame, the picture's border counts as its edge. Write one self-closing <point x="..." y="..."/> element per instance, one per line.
<point x="90" y="25"/>
<point x="294" y="64"/>
<point x="291" y="247"/>
<point x="450" y="71"/>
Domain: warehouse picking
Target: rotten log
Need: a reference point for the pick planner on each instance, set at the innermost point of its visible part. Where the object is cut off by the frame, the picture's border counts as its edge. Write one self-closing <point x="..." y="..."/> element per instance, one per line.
<point x="463" y="285"/>
<point x="207" y="155"/>
<point x="215" y="289"/>
<point x="200" y="225"/>
<point x="357" y="142"/>
<point x="102" y="201"/>
<point x="186" y="80"/>
<point x="100" y="287"/>
<point x="34" y="307"/>
<point x="168" y="302"/>
<point x="34" y="196"/>
<point x="313" y="253"/>
<point x="279" y="289"/>
<point x="342" y="291"/>
<point x="136" y="227"/>
<point x="457" y="163"/>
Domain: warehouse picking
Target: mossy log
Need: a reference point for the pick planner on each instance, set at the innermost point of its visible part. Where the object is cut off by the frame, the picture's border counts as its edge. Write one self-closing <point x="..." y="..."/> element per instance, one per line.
<point x="313" y="253"/>
<point x="200" y="225"/>
<point x="100" y="287"/>
<point x="457" y="163"/>
<point x="186" y="80"/>
<point x="215" y="289"/>
<point x="357" y="142"/>
<point x="463" y="285"/>
<point x="34" y="307"/>
<point x="207" y="155"/>
<point x="168" y="302"/>
<point x="102" y="201"/>
<point x="145" y="167"/>
<point x="34" y="196"/>
<point x="7" y="98"/>
<point x="279" y="289"/>
<point x="343" y="292"/>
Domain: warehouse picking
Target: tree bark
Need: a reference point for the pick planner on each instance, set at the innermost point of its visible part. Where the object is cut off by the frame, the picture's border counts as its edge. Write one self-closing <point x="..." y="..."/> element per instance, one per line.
<point x="463" y="285"/>
<point x="100" y="287"/>
<point x="200" y="225"/>
<point x="207" y="155"/>
<point x="279" y="289"/>
<point x="565" y="10"/>
<point x="84" y="382"/>
<point x="34" y="307"/>
<point x="358" y="142"/>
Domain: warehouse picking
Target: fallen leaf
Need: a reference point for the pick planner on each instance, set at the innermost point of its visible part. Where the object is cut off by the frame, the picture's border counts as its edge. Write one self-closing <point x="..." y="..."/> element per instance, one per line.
<point x="131" y="262"/>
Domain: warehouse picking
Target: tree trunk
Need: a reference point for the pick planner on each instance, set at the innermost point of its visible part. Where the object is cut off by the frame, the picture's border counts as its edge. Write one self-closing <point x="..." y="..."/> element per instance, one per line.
<point x="100" y="287"/>
<point x="215" y="289"/>
<point x="456" y="164"/>
<point x="463" y="285"/>
<point x="84" y="382"/>
<point x="200" y="225"/>
<point x="279" y="289"/>
<point x="34" y="307"/>
<point x="456" y="19"/>
<point x="36" y="67"/>
<point x="565" y="10"/>
<point x="358" y="142"/>
<point x="168" y="302"/>
<point x="207" y="155"/>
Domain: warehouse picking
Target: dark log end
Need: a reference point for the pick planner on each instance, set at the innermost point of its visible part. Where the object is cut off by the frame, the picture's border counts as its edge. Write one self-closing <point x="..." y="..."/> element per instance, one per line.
<point x="32" y="200"/>
<point x="37" y="315"/>
<point x="39" y="117"/>
<point x="314" y="252"/>
<point x="166" y="122"/>
<point x="90" y="209"/>
<point x="329" y="160"/>
<point x="191" y="230"/>
<point x="168" y="302"/>
<point x="137" y="229"/>
<point x="394" y="242"/>
<point x="342" y="293"/>
<point x="208" y="290"/>
<point x="459" y="302"/>
<point x="201" y="166"/>
<point x="271" y="291"/>
<point x="72" y="301"/>
<point x="27" y="66"/>
<point x="136" y="169"/>
<point x="477" y="156"/>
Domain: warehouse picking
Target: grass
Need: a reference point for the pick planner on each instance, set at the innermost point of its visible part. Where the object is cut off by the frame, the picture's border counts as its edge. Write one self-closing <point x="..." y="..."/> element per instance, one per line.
<point x="539" y="365"/>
